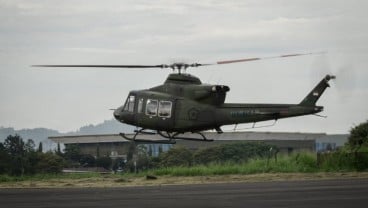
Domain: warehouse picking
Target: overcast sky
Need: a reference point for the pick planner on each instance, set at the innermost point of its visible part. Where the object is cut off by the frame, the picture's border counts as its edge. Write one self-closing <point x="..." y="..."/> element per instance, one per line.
<point x="160" y="32"/>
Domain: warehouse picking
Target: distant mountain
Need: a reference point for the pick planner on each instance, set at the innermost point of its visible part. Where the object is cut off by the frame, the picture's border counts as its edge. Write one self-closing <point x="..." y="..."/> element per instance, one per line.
<point x="41" y="134"/>
<point x="107" y="127"/>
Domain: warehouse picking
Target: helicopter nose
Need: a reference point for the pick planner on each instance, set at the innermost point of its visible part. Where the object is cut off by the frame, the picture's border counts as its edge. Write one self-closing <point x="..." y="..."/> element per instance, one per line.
<point x="117" y="114"/>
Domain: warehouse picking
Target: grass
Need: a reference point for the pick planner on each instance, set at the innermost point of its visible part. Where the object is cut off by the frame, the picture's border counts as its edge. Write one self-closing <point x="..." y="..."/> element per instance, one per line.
<point x="46" y="177"/>
<point x="302" y="163"/>
<point x="294" y="167"/>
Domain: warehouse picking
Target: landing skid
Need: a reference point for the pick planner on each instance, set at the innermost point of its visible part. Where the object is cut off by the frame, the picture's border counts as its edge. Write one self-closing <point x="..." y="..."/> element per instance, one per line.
<point x="147" y="141"/>
<point x="175" y="136"/>
<point x="170" y="138"/>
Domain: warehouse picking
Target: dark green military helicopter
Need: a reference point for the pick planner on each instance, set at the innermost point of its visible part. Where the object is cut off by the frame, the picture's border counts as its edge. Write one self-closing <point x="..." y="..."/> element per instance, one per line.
<point x="183" y="104"/>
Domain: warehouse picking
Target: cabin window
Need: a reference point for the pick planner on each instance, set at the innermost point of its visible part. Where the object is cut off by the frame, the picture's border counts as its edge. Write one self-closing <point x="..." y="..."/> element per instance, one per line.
<point x="164" y="109"/>
<point x="151" y="107"/>
<point x="140" y="105"/>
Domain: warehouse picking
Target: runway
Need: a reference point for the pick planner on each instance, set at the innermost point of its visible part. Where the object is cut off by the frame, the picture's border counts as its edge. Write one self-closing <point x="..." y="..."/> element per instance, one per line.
<point x="320" y="193"/>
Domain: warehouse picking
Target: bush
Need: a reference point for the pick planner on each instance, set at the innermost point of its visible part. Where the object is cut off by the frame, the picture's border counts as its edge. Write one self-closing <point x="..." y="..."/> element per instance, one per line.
<point x="177" y="156"/>
<point x="104" y="162"/>
<point x="343" y="161"/>
<point x="305" y="162"/>
<point x="358" y="135"/>
<point x="236" y="152"/>
<point x="87" y="161"/>
<point x="49" y="163"/>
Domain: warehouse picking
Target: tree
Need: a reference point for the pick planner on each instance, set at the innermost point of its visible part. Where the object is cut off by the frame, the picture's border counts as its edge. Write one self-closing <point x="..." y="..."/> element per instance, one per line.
<point x="49" y="163"/>
<point x="98" y="151"/>
<point x="72" y="152"/>
<point x="29" y="146"/>
<point x="177" y="156"/>
<point x="160" y="150"/>
<point x="143" y="160"/>
<point x="150" y="151"/>
<point x="358" y="136"/>
<point x="58" y="151"/>
<point x="87" y="161"/>
<point x="18" y="158"/>
<point x="235" y="152"/>
<point x="5" y="160"/>
<point x="15" y="147"/>
<point x="131" y="150"/>
<point x="40" y="148"/>
<point x="104" y="162"/>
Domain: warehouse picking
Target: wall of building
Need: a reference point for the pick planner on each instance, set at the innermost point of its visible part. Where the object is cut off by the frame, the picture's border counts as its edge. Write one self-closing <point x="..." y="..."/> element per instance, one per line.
<point x="114" y="145"/>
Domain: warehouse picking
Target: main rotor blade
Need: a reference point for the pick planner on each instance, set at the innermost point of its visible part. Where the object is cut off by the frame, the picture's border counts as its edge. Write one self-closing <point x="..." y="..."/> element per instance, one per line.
<point x="261" y="58"/>
<point x="179" y="66"/>
<point x="105" y="66"/>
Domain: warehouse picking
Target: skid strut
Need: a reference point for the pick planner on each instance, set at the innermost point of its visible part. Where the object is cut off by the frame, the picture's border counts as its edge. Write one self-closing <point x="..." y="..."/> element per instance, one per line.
<point x="170" y="137"/>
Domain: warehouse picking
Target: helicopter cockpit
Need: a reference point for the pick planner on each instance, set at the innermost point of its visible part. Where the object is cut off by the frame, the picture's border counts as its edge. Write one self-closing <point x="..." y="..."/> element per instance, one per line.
<point x="147" y="106"/>
<point x="129" y="104"/>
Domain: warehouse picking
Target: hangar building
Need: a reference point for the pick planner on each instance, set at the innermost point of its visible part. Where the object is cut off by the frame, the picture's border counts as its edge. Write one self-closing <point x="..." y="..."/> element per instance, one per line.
<point x="114" y="146"/>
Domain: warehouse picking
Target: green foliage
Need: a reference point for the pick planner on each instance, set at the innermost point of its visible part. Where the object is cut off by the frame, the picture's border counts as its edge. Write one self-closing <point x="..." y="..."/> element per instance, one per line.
<point x="343" y="161"/>
<point x="15" y="147"/>
<point x="40" y="147"/>
<point x="305" y="162"/>
<point x="49" y="163"/>
<point x="131" y="150"/>
<point x="150" y="151"/>
<point x="143" y="159"/>
<point x="177" y="156"/>
<point x="160" y="150"/>
<point x="236" y="152"/>
<point x="58" y="150"/>
<point x="359" y="135"/>
<point x="87" y="161"/>
<point x="208" y="155"/>
<point x="5" y="160"/>
<point x="72" y="152"/>
<point x="20" y="158"/>
<point x="104" y="162"/>
<point x="46" y="176"/>
<point x="354" y="156"/>
<point x="301" y="162"/>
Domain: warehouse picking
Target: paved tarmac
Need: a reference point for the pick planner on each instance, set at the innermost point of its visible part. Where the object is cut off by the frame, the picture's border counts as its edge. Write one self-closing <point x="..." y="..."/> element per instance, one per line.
<point x="323" y="193"/>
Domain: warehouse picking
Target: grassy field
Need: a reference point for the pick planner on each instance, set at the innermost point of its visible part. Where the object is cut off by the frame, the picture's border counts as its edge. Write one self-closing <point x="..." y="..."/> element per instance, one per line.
<point x="111" y="180"/>
<point x="302" y="166"/>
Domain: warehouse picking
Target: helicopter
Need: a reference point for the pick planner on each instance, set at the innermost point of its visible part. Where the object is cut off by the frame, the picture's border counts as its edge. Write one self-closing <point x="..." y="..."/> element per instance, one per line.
<point x="184" y="105"/>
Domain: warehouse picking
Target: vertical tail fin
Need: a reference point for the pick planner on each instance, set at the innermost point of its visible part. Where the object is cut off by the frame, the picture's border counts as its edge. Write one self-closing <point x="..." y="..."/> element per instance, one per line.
<point x="313" y="96"/>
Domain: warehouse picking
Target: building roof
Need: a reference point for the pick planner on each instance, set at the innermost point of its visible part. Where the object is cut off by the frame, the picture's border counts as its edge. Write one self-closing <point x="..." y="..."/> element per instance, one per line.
<point x="231" y="136"/>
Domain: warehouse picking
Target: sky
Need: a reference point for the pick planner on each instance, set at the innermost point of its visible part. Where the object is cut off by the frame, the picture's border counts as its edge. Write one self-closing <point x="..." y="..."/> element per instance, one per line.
<point x="167" y="31"/>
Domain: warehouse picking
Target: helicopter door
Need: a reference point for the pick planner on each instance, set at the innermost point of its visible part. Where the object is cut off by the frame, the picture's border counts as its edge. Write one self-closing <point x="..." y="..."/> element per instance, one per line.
<point x="155" y="114"/>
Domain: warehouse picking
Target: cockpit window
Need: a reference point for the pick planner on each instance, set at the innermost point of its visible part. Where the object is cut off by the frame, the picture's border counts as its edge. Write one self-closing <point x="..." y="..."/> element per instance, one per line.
<point x="164" y="109"/>
<point x="129" y="104"/>
<point x="151" y="107"/>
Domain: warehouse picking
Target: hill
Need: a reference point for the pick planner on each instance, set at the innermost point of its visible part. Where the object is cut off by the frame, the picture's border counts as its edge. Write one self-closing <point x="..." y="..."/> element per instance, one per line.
<point x="41" y="134"/>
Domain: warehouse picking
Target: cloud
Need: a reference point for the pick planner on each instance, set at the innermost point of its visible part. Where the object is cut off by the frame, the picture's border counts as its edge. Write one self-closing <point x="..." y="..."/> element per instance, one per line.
<point x="147" y="32"/>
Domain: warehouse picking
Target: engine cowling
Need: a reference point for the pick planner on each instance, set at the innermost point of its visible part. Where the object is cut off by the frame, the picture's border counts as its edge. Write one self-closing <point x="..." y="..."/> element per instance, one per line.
<point x="212" y="94"/>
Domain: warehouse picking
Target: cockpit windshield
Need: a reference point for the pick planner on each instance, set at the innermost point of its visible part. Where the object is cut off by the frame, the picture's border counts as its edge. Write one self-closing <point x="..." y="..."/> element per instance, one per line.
<point x="129" y="104"/>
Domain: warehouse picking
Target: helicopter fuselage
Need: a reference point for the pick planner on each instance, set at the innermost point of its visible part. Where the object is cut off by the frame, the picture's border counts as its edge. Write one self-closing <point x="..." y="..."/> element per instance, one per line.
<point x="183" y="104"/>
